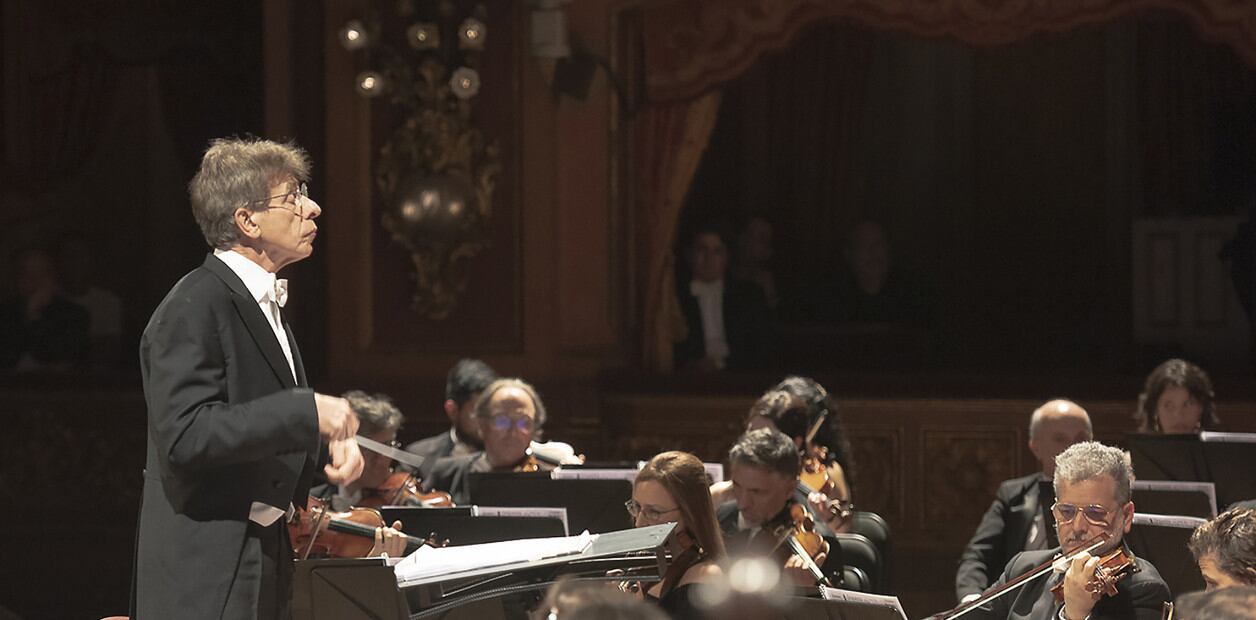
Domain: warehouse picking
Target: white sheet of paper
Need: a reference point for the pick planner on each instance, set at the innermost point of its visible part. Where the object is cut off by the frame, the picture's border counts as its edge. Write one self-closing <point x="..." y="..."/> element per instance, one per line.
<point x="554" y="512"/>
<point x="431" y="561"/>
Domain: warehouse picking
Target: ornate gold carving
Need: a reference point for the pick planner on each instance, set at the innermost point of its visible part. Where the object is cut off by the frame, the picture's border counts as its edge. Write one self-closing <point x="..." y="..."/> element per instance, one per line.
<point x="878" y="480"/>
<point x="437" y="173"/>
<point x="960" y="472"/>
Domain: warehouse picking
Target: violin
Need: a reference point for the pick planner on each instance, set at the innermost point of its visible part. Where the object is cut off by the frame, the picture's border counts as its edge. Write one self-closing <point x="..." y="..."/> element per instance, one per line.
<point x="1113" y="567"/>
<point x="316" y="531"/>
<point x="1011" y="586"/>
<point x="402" y="489"/>
<point x="799" y="536"/>
<point x="815" y="472"/>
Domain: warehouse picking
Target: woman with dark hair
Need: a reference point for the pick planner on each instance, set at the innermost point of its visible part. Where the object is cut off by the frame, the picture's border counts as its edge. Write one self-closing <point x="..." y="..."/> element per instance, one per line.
<point x="672" y="487"/>
<point x="1177" y="399"/>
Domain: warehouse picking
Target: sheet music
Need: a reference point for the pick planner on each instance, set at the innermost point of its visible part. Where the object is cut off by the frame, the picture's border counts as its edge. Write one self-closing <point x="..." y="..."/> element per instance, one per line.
<point x="432" y="561"/>
<point x="552" y="512"/>
<point x="1207" y="488"/>
<point x="863" y="598"/>
<point x="715" y="471"/>
<point x="1142" y="518"/>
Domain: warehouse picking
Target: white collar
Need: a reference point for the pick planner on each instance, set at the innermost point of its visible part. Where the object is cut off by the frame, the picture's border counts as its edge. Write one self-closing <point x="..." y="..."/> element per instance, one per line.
<point x="261" y="283"/>
<point x="701" y="287"/>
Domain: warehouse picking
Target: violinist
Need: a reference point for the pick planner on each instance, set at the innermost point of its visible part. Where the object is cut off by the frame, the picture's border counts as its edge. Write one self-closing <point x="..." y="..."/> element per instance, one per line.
<point x="765" y="466"/>
<point x="672" y="487"/>
<point x="1019" y="518"/>
<point x="1225" y="549"/>
<point x="1093" y="496"/>
<point x="463" y="385"/>
<point x="378" y="419"/>
<point x="509" y="413"/>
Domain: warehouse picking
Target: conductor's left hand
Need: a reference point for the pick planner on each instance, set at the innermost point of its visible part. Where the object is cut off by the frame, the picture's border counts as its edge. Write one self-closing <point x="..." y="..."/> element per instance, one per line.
<point x="346" y="461"/>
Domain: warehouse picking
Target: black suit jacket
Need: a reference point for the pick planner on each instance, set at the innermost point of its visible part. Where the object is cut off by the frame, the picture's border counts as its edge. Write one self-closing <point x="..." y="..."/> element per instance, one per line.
<point x="227" y="426"/>
<point x="747" y="325"/>
<point x="726" y="516"/>
<point x="1139" y="596"/>
<point x="451" y="474"/>
<point x="434" y="447"/>
<point x="1001" y="534"/>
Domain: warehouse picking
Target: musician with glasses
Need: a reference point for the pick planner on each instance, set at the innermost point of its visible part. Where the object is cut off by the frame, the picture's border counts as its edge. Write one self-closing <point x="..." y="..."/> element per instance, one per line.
<point x="672" y="487"/>
<point x="1093" y="485"/>
<point x="234" y="431"/>
<point x="509" y="415"/>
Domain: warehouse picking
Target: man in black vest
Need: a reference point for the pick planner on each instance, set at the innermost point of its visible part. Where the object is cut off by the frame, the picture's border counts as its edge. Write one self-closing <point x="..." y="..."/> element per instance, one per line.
<point x="233" y="430"/>
<point x="1019" y="519"/>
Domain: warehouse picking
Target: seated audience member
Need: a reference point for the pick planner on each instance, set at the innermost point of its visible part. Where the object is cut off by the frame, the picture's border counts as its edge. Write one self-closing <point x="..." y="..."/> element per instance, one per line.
<point x="728" y="319"/>
<point x="870" y="288"/>
<point x="672" y="487"/>
<point x="1093" y="485"/>
<point x="463" y="385"/>
<point x="77" y="269"/>
<point x="1225" y="549"/>
<point x="378" y="419"/>
<point x="765" y="466"/>
<point x="39" y="328"/>
<point x="1177" y="399"/>
<point x="754" y="252"/>
<point x="1236" y="603"/>
<point x="1019" y="518"/>
<point x="509" y="413"/>
<point x="569" y="599"/>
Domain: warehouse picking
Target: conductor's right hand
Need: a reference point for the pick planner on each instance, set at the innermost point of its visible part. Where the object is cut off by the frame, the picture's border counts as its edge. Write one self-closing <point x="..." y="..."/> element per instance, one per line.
<point x="336" y="420"/>
<point x="346" y="461"/>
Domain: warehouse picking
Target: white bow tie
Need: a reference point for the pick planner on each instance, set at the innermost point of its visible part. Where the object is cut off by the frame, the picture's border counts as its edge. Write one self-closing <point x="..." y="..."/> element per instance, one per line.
<point x="279" y="291"/>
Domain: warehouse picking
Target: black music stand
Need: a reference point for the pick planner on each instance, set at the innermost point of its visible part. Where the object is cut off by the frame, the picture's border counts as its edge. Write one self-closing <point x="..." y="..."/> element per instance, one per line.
<point x="355" y="589"/>
<point x="1161" y="539"/>
<point x="465" y="529"/>
<point x="593" y="505"/>
<point x="1171" y="497"/>
<point x="1225" y="459"/>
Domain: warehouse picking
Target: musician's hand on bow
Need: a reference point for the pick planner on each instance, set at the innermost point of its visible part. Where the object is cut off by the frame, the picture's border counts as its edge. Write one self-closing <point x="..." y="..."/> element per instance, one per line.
<point x="798" y="572"/>
<point x="346" y="461"/>
<point x="389" y="541"/>
<point x="1078" y="601"/>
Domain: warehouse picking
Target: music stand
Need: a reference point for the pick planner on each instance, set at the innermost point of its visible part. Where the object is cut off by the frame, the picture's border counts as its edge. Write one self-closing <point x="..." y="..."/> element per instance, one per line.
<point x="1225" y="459"/>
<point x="461" y="529"/>
<point x="1161" y="539"/>
<point x="349" y="589"/>
<point x="593" y="505"/>
<point x="1167" y="497"/>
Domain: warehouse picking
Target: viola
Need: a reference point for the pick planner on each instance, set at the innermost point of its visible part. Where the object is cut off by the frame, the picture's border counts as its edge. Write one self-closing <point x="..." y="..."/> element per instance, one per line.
<point x="1113" y="567"/>
<point x="402" y="489"/>
<point x="316" y="531"/>
<point x="815" y="472"/>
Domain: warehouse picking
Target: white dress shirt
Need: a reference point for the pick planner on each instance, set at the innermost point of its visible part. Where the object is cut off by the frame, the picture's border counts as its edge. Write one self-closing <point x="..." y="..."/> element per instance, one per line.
<point x="261" y="285"/>
<point x="710" y="296"/>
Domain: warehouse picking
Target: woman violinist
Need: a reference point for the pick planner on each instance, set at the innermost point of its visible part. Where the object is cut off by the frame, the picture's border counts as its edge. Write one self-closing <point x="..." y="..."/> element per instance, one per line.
<point x="378" y="419"/>
<point x="672" y="487"/>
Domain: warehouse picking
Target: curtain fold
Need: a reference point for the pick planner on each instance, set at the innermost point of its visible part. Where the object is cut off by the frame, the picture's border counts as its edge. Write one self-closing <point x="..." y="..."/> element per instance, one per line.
<point x="669" y="139"/>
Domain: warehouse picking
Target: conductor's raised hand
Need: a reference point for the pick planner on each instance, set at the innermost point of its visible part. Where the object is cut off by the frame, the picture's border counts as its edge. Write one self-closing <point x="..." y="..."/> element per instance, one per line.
<point x="336" y="419"/>
<point x="346" y="461"/>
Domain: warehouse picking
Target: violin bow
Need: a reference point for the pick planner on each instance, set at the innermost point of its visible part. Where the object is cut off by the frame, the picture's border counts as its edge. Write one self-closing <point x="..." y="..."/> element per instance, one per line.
<point x="1015" y="584"/>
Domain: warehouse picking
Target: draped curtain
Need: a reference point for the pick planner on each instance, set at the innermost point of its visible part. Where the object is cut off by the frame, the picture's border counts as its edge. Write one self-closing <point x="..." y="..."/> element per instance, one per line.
<point x="686" y="49"/>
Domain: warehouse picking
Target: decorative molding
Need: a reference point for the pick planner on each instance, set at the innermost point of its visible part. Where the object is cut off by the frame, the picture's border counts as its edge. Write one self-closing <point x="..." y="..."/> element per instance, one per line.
<point x="958" y="469"/>
<point x="694" y="45"/>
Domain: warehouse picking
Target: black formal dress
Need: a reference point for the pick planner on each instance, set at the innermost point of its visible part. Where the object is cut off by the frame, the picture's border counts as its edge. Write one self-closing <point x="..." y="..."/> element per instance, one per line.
<point x="1021" y="507"/>
<point x="227" y="428"/>
<point x="1139" y="596"/>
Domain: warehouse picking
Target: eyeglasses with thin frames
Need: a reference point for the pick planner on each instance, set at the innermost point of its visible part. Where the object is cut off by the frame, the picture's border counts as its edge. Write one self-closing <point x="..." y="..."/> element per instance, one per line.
<point x="504" y="423"/>
<point x="650" y="514"/>
<point x="293" y="201"/>
<point x="1094" y="514"/>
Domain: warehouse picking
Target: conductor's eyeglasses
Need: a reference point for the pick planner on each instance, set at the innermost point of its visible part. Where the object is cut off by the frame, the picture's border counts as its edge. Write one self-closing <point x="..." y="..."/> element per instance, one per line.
<point x="293" y="201"/>
<point x="1094" y="514"/>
